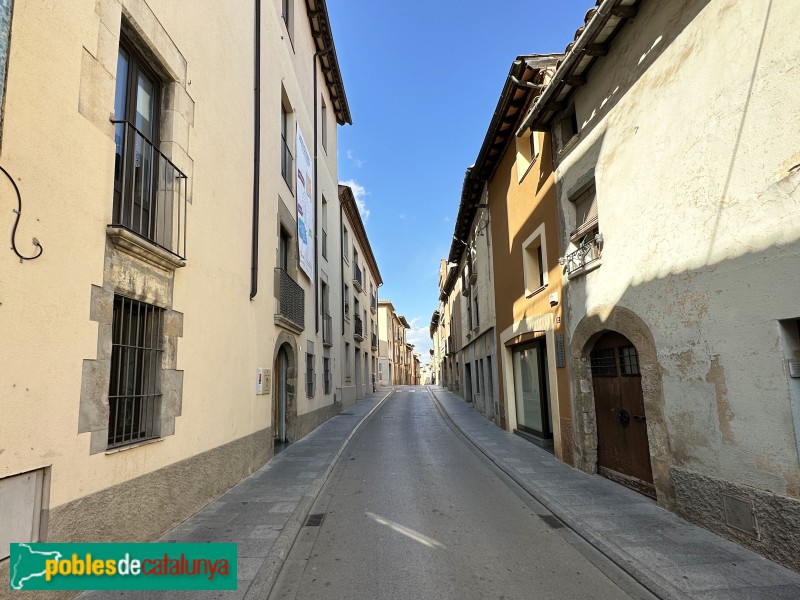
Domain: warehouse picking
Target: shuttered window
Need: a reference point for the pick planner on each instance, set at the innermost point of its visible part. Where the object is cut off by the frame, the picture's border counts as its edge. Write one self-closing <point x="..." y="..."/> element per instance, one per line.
<point x="586" y="213"/>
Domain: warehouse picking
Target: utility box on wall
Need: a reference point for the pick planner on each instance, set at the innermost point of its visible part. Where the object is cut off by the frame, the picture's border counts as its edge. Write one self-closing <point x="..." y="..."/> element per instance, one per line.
<point x="262" y="381"/>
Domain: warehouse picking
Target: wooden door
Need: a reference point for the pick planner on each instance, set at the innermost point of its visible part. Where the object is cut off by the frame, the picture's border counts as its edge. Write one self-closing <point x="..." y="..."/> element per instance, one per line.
<point x="623" y="452"/>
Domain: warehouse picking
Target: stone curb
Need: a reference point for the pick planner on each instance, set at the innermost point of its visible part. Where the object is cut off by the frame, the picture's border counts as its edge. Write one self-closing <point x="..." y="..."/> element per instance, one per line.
<point x="267" y="574"/>
<point x="659" y="587"/>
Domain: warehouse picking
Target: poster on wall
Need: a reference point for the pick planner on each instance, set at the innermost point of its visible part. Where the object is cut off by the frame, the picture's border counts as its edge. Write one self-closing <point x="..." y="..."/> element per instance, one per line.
<point x="305" y="206"/>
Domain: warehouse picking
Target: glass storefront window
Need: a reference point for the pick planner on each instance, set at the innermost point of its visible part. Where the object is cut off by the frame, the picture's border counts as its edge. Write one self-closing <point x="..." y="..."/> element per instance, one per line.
<point x="530" y="389"/>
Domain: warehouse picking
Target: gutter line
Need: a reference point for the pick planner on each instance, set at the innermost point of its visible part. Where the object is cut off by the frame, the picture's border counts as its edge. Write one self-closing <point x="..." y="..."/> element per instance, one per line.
<point x="598" y="20"/>
<point x="256" y="152"/>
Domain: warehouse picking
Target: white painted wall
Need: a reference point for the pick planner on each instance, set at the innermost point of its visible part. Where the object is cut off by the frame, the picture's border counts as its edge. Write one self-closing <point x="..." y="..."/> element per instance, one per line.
<point x="693" y="132"/>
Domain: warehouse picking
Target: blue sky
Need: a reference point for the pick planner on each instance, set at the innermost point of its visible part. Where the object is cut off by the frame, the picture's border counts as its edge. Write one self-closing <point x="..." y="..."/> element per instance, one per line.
<point x="422" y="80"/>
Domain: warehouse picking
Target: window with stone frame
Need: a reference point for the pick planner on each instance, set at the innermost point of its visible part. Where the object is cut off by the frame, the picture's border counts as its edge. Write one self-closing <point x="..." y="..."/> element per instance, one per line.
<point x="134" y="393"/>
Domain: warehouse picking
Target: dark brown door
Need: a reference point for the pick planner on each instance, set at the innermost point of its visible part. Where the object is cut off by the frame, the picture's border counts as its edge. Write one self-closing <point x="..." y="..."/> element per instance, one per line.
<point x="623" y="453"/>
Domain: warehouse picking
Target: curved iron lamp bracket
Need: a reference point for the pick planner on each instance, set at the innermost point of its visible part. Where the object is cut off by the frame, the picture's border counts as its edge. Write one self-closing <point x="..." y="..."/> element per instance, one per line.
<point x="18" y="212"/>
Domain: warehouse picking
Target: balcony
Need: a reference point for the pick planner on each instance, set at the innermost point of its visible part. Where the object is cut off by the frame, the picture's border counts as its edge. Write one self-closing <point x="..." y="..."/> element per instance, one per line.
<point x="358" y="329"/>
<point x="358" y="281"/>
<point x="287" y="164"/>
<point x="291" y="313"/>
<point x="374" y="342"/>
<point x="586" y="258"/>
<point x="327" y="330"/>
<point x="150" y="200"/>
<point x="373" y="304"/>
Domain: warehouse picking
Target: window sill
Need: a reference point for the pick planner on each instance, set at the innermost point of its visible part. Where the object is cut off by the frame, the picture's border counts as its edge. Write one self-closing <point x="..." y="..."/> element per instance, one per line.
<point x="536" y="291"/>
<point x="285" y="323"/>
<point x="138" y="247"/>
<point x="132" y="446"/>
<point x="595" y="264"/>
<point x="569" y="146"/>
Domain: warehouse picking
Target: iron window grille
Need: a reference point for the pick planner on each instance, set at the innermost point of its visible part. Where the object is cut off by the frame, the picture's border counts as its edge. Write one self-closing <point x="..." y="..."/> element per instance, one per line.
<point x="326" y="375"/>
<point x="134" y="394"/>
<point x="310" y="375"/>
<point x="358" y="327"/>
<point x="291" y="299"/>
<point x="150" y="192"/>
<point x="590" y="250"/>
<point x="604" y="362"/>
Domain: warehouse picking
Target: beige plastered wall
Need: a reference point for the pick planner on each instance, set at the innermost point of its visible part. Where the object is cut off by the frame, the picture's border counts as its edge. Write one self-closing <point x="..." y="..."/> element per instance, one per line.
<point x="288" y="73"/>
<point x="59" y="145"/>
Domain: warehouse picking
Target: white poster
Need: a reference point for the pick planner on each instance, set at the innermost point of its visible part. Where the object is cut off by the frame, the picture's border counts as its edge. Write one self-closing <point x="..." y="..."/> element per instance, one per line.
<point x="305" y="206"/>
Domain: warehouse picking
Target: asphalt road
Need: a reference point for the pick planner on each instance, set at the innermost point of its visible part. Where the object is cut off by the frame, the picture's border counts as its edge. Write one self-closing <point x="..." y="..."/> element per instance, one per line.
<point x="413" y="511"/>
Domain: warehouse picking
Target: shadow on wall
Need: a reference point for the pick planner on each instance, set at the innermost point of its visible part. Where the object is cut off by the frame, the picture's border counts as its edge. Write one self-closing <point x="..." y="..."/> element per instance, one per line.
<point x="625" y="47"/>
<point x="723" y="415"/>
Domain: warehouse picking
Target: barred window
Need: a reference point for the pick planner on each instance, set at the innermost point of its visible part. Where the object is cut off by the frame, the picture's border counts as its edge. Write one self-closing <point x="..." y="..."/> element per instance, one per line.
<point x="134" y="395"/>
<point x="309" y="375"/>
<point x="326" y="374"/>
<point x="604" y="363"/>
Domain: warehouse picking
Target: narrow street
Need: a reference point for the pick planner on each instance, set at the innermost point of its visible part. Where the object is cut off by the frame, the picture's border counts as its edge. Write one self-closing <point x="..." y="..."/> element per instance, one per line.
<point x="412" y="510"/>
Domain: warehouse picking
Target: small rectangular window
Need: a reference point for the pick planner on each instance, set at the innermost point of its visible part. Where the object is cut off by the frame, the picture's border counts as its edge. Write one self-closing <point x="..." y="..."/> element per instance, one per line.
<point x="309" y="375"/>
<point x="134" y="393"/>
<point x="287" y="160"/>
<point x="629" y="361"/>
<point x="604" y="363"/>
<point x="326" y="375"/>
<point x="569" y="126"/>
<point x="534" y="259"/>
<point x="586" y="220"/>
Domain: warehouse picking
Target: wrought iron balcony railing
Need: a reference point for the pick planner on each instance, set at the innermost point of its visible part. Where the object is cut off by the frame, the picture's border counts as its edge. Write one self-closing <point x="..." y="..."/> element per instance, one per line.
<point x="588" y="253"/>
<point x="327" y="329"/>
<point x="358" y="328"/>
<point x="373" y="303"/>
<point x="374" y="342"/>
<point x="291" y="300"/>
<point x="150" y="192"/>
<point x="357" y="277"/>
<point x="287" y="163"/>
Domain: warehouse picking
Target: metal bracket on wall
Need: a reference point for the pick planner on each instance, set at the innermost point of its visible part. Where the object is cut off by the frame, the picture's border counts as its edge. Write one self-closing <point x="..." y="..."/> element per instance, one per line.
<point x="18" y="212"/>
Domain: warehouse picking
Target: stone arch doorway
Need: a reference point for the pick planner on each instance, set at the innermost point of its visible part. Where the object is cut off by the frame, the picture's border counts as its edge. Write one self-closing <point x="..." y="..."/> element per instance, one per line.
<point x="623" y="451"/>
<point x="589" y="331"/>
<point x="284" y="399"/>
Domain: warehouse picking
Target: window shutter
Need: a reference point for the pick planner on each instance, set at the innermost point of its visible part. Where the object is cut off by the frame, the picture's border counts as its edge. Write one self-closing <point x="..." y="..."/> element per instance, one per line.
<point x="586" y="213"/>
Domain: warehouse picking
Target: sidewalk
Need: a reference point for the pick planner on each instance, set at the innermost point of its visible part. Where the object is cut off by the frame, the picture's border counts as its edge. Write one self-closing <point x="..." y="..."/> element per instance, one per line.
<point x="669" y="556"/>
<point x="264" y="513"/>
